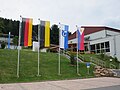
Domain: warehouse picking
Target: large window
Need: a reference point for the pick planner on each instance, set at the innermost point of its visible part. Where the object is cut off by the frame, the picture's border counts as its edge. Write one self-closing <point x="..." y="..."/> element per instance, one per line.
<point x="100" y="47"/>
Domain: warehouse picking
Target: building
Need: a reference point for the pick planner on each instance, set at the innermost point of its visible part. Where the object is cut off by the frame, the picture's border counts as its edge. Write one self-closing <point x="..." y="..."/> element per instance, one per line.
<point x="4" y="38"/>
<point x="99" y="39"/>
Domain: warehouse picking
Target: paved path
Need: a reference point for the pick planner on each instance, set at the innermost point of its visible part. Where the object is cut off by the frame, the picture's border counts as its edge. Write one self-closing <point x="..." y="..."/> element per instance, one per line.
<point x="77" y="84"/>
<point x="117" y="71"/>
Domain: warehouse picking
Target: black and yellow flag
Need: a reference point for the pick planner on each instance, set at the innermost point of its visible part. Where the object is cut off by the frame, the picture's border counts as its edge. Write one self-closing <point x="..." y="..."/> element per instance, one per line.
<point x="26" y="32"/>
<point x="45" y="34"/>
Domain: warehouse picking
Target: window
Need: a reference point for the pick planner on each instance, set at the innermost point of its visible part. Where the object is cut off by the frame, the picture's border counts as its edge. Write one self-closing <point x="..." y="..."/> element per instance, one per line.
<point x="102" y="45"/>
<point x="92" y="47"/>
<point x="98" y="46"/>
<point x="106" y="44"/>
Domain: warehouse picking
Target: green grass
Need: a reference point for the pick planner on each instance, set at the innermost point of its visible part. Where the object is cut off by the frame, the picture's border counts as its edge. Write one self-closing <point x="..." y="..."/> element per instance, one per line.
<point x="28" y="67"/>
<point x="106" y="59"/>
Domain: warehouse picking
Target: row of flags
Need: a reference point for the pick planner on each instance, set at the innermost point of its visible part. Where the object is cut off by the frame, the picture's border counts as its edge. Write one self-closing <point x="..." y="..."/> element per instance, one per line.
<point x="26" y="34"/>
<point x="25" y="39"/>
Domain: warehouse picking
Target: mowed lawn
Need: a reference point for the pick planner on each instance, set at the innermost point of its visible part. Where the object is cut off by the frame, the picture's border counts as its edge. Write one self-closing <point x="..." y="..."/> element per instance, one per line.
<point x="28" y="67"/>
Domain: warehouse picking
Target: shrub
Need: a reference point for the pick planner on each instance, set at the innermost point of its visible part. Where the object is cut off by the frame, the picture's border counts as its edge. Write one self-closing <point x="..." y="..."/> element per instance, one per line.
<point x="116" y="59"/>
<point x="72" y="59"/>
<point x="3" y="45"/>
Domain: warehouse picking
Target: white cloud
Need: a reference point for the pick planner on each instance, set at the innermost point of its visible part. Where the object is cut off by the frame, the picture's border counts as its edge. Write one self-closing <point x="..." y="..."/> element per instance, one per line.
<point x="71" y="12"/>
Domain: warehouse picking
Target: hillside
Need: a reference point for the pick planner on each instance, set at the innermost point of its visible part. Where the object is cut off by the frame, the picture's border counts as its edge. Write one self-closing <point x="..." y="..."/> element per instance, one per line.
<point x="28" y="67"/>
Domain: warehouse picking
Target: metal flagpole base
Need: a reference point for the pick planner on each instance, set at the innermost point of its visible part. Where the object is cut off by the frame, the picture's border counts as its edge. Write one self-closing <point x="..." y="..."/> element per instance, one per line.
<point x="39" y="75"/>
<point x="78" y="74"/>
<point x="59" y="74"/>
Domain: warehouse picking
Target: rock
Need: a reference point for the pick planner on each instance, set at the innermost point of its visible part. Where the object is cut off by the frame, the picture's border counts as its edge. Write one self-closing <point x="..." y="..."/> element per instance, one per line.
<point x="99" y="71"/>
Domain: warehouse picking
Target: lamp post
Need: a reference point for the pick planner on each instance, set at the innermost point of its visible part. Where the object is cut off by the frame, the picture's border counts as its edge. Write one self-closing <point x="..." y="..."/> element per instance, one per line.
<point x="110" y="63"/>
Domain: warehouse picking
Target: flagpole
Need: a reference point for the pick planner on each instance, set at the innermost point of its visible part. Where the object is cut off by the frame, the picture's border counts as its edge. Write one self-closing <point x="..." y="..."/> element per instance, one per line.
<point x="77" y="51"/>
<point x="39" y="49"/>
<point x="59" y="69"/>
<point x="9" y="40"/>
<point x="18" y="63"/>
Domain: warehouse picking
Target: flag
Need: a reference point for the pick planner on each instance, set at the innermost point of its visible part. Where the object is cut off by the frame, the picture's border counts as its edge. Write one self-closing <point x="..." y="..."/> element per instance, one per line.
<point x="9" y="40"/>
<point x="26" y="32"/>
<point x="45" y="34"/>
<point x="80" y="34"/>
<point x="64" y="36"/>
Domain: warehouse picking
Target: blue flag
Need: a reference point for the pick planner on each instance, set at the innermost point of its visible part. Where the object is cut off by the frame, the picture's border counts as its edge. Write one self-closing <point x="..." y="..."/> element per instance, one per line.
<point x="64" y="36"/>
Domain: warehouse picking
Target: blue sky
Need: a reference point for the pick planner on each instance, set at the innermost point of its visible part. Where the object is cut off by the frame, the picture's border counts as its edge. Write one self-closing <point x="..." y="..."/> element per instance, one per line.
<point x="70" y="12"/>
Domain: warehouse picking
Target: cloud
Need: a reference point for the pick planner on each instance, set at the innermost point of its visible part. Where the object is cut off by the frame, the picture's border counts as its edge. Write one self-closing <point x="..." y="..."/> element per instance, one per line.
<point x="113" y="22"/>
<point x="70" y="12"/>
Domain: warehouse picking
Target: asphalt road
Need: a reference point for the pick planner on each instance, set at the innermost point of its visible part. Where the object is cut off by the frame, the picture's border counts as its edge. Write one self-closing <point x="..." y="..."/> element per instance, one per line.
<point x="117" y="87"/>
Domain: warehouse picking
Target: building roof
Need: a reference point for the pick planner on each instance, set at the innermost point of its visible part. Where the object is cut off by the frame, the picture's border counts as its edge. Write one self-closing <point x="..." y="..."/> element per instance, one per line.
<point x="93" y="29"/>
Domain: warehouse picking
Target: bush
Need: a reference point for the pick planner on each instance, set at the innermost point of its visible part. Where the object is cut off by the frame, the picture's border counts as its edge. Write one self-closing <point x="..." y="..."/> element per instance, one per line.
<point x="116" y="59"/>
<point x="3" y="45"/>
<point x="72" y="59"/>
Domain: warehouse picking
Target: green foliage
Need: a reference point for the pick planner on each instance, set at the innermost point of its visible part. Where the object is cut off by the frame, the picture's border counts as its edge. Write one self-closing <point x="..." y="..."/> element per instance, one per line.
<point x="102" y="54"/>
<point x="106" y="59"/>
<point x="1" y="26"/>
<point x="7" y="26"/>
<point x="54" y="35"/>
<point x="15" y="40"/>
<point x="116" y="60"/>
<point x="3" y="44"/>
<point x="72" y="59"/>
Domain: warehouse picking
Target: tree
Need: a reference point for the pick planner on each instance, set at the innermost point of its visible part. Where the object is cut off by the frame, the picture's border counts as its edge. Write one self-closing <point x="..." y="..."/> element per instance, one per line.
<point x="15" y="40"/>
<point x="7" y="26"/>
<point x="1" y="25"/>
<point x="54" y="34"/>
<point x="3" y="45"/>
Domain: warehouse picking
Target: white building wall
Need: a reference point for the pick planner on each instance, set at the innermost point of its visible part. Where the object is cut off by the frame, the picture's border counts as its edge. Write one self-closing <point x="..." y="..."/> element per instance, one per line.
<point x="114" y="42"/>
<point x="104" y="40"/>
<point x="100" y="37"/>
<point x="5" y="39"/>
<point x="118" y="46"/>
<point x="112" y="32"/>
<point x="72" y="41"/>
<point x="96" y="35"/>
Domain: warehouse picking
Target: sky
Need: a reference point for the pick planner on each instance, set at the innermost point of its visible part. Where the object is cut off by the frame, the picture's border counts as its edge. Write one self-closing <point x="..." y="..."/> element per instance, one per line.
<point x="69" y="12"/>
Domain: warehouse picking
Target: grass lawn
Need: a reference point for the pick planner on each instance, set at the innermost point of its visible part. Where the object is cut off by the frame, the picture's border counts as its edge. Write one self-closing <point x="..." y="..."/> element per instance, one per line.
<point x="28" y="67"/>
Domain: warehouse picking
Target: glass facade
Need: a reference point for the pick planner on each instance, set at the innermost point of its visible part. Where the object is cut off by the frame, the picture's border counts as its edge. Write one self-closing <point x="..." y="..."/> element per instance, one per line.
<point x="100" y="47"/>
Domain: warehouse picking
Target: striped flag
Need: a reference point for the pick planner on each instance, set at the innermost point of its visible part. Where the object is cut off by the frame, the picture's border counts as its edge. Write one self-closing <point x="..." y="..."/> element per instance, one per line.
<point x="45" y="34"/>
<point x="80" y="33"/>
<point x="64" y="36"/>
<point x="26" y="32"/>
